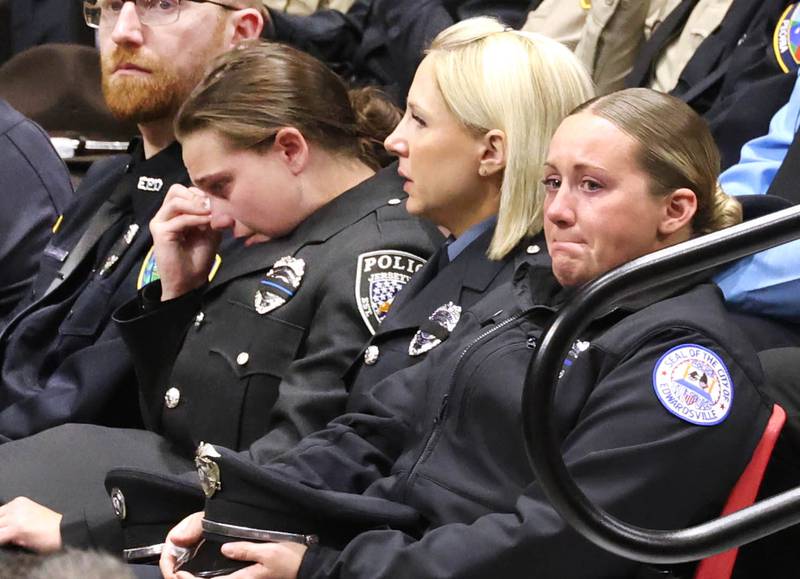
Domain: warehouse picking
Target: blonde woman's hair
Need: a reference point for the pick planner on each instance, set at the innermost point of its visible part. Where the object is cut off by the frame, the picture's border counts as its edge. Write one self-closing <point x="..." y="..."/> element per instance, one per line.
<point x="521" y="83"/>
<point x="676" y="150"/>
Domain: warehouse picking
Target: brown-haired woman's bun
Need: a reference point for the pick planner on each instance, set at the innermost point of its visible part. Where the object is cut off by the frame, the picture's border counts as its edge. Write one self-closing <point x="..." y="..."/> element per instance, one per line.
<point x="376" y="118"/>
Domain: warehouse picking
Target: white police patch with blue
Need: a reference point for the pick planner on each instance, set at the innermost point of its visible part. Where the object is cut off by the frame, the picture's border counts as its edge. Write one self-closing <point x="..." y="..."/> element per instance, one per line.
<point x="379" y="278"/>
<point x="693" y="383"/>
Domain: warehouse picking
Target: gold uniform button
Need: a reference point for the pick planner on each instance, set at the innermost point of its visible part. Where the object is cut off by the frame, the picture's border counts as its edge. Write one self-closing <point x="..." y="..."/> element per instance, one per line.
<point x="243" y="358"/>
<point x="172" y="398"/>
<point x="371" y="355"/>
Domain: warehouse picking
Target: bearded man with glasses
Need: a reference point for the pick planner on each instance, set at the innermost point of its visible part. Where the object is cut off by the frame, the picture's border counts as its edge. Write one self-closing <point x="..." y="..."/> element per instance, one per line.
<point x="61" y="356"/>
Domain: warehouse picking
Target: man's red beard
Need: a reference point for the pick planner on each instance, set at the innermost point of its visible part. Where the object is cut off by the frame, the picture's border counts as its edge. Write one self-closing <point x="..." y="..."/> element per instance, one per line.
<point x="143" y="98"/>
<point x="159" y="94"/>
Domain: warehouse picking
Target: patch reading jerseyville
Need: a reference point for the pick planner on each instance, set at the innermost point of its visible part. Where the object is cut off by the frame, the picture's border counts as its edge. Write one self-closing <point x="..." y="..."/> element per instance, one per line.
<point x="379" y="276"/>
<point x="786" y="39"/>
<point x="149" y="271"/>
<point x="694" y="384"/>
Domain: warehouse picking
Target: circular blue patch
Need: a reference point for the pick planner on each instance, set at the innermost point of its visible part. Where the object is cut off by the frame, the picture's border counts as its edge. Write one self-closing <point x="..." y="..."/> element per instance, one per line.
<point x="694" y="384"/>
<point x="786" y="39"/>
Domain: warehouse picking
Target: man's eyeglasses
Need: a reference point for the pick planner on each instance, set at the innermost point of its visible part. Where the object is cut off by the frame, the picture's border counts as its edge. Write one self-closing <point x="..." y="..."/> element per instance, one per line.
<point x="150" y="12"/>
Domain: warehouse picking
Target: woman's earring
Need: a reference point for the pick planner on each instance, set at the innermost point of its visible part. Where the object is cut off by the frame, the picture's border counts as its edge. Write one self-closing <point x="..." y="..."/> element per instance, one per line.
<point x="482" y="172"/>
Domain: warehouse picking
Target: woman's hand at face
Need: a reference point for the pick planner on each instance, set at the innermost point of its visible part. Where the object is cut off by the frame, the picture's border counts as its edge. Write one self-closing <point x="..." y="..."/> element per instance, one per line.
<point x="184" y="242"/>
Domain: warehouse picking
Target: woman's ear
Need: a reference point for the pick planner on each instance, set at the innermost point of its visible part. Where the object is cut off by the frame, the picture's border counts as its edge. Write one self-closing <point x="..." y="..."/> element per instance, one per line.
<point x="680" y="207"/>
<point x="292" y="149"/>
<point x="493" y="153"/>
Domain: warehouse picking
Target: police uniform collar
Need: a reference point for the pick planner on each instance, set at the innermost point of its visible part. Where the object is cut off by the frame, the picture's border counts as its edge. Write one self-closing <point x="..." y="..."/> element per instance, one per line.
<point x="535" y="285"/>
<point x="165" y="167"/>
<point x="346" y="209"/>
<point x="661" y="292"/>
<point x="164" y="161"/>
<point x="475" y="275"/>
<point x="349" y="207"/>
<point x="481" y="273"/>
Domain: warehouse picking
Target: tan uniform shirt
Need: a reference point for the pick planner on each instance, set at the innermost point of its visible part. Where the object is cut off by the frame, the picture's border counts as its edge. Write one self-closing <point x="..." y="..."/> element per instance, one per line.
<point x="308" y="6"/>
<point x="705" y="18"/>
<point x="605" y="34"/>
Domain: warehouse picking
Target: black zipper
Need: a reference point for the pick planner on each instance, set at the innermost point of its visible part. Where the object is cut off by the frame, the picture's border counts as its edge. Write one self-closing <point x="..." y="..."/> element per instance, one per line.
<point x="442" y="414"/>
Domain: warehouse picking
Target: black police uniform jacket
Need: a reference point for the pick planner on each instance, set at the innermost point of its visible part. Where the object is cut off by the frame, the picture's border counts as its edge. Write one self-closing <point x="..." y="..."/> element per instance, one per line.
<point x="61" y="357"/>
<point x="462" y="282"/>
<point x="240" y="376"/>
<point x="462" y="465"/>
<point x="34" y="190"/>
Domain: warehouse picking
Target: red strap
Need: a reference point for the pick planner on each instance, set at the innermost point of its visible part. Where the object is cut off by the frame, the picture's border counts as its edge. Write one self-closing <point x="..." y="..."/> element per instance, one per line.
<point x="720" y="566"/>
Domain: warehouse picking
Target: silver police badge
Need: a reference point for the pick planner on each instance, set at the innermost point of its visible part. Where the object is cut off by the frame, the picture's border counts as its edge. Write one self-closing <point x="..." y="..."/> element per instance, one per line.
<point x="440" y="323"/>
<point x="279" y="284"/>
<point x="379" y="276"/>
<point x="207" y="469"/>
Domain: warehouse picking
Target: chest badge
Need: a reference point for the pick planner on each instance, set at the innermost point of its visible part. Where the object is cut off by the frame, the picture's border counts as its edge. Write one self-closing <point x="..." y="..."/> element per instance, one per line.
<point x="786" y="39"/>
<point x="149" y="270"/>
<point x="279" y="284"/>
<point x="693" y="383"/>
<point x="380" y="275"/>
<point x="577" y="348"/>
<point x="436" y="329"/>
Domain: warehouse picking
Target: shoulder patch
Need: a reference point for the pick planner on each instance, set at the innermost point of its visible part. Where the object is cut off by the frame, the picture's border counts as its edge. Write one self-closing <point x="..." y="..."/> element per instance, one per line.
<point x="149" y="270"/>
<point x="379" y="276"/>
<point x="694" y="384"/>
<point x="786" y="39"/>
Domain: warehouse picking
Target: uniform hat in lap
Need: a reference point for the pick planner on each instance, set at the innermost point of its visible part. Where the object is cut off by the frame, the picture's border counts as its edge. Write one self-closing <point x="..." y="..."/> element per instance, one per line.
<point x="148" y="505"/>
<point x="58" y="86"/>
<point x="247" y="502"/>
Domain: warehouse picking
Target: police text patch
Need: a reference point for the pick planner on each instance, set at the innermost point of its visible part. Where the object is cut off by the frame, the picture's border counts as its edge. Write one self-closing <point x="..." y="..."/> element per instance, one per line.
<point x="379" y="276"/>
<point x="693" y="383"/>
